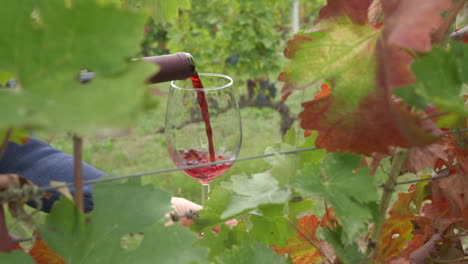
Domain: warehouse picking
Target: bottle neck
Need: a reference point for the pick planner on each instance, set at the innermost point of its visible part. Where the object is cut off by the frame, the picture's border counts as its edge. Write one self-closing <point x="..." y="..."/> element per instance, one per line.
<point x="177" y="66"/>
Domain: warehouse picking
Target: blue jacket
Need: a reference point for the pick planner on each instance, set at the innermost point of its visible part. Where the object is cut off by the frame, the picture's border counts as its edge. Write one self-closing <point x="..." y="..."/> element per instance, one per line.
<point x="40" y="163"/>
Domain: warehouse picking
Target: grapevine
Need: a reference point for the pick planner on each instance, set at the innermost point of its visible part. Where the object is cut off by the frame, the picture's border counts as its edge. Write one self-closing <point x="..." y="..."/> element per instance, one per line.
<point x="375" y="171"/>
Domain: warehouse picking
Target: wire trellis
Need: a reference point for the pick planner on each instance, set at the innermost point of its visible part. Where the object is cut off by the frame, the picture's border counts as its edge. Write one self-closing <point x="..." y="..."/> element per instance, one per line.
<point x="34" y="191"/>
<point x="41" y="190"/>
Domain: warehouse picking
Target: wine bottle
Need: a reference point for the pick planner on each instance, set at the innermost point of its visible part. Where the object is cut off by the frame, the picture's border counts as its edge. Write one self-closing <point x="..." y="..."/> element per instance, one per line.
<point x="176" y="66"/>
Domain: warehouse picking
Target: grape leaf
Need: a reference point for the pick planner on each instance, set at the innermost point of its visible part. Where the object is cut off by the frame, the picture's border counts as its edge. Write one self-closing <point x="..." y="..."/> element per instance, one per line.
<point x="453" y="189"/>
<point x="210" y="216"/>
<point x="313" y="156"/>
<point x="96" y="236"/>
<point x="339" y="53"/>
<point x="360" y="108"/>
<point x="271" y="230"/>
<point x="398" y="227"/>
<point x="403" y="17"/>
<point x="16" y="256"/>
<point x="348" y="188"/>
<point x="420" y="158"/>
<point x="303" y="247"/>
<point x="225" y="239"/>
<point x="47" y="55"/>
<point x="249" y="193"/>
<point x="171" y="245"/>
<point x="355" y="9"/>
<point x="256" y="253"/>
<point x="284" y="167"/>
<point x="347" y="253"/>
<point x="437" y="69"/>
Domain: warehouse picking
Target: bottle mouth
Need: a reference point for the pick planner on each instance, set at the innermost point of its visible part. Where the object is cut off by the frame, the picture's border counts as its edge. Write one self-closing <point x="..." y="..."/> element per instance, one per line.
<point x="223" y="80"/>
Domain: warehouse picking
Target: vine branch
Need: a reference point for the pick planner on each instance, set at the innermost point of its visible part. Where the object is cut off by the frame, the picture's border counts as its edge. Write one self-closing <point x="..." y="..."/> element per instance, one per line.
<point x="388" y="189"/>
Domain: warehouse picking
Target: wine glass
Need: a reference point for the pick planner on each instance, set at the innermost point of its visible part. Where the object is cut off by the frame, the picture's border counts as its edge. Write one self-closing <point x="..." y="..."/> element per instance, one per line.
<point x="203" y="125"/>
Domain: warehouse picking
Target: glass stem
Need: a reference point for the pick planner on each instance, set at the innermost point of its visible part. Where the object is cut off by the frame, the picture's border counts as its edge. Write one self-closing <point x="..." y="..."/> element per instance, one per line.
<point x="205" y="192"/>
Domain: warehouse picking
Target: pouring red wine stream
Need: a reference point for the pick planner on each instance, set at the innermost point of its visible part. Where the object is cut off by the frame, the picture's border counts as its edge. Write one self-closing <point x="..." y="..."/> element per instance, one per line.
<point x="197" y="84"/>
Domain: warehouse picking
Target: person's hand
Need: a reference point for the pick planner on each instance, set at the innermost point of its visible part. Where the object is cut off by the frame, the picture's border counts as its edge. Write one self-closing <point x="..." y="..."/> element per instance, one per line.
<point x="185" y="211"/>
<point x="9" y="180"/>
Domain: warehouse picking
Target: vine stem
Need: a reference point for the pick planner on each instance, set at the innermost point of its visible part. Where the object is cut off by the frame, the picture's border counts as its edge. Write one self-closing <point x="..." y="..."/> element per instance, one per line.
<point x="78" y="171"/>
<point x="388" y="189"/>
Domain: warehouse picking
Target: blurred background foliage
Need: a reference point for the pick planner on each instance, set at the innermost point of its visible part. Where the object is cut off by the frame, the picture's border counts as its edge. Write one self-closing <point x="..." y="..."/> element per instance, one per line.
<point x="241" y="38"/>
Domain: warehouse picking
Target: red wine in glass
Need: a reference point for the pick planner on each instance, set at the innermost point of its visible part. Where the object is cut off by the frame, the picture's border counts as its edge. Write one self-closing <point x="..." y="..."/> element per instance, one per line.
<point x="203" y="174"/>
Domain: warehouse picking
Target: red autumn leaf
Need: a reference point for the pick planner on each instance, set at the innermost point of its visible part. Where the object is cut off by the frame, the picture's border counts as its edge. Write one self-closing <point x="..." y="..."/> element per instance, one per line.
<point x="409" y="23"/>
<point x="378" y="123"/>
<point x="302" y="247"/>
<point x="356" y="10"/>
<point x="452" y="189"/>
<point x="42" y="254"/>
<point x="435" y="222"/>
<point x="420" y="158"/>
<point x="425" y="251"/>
<point x="423" y="231"/>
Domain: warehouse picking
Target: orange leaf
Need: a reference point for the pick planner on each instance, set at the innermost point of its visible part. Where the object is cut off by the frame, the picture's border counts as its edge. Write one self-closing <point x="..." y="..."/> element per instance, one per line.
<point x="398" y="227"/>
<point x="44" y="255"/>
<point x="302" y="247"/>
<point x="325" y="90"/>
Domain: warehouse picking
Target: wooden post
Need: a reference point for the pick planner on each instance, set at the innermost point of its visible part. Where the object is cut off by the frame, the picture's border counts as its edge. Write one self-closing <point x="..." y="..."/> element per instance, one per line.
<point x="78" y="171"/>
<point x="5" y="241"/>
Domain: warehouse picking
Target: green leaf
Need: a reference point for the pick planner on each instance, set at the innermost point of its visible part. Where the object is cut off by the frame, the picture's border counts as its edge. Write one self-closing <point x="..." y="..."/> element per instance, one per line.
<point x="16" y="257"/>
<point x="301" y="207"/>
<point x="440" y="75"/>
<point x="210" y="216"/>
<point x="349" y="189"/>
<point x="46" y="45"/>
<point x="225" y="239"/>
<point x="411" y="96"/>
<point x="347" y="253"/>
<point x="95" y="238"/>
<point x="249" y="193"/>
<point x="312" y="156"/>
<point x="257" y="253"/>
<point x="341" y="53"/>
<point x="272" y="230"/>
<point x="284" y="167"/>
<point x="168" y="245"/>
